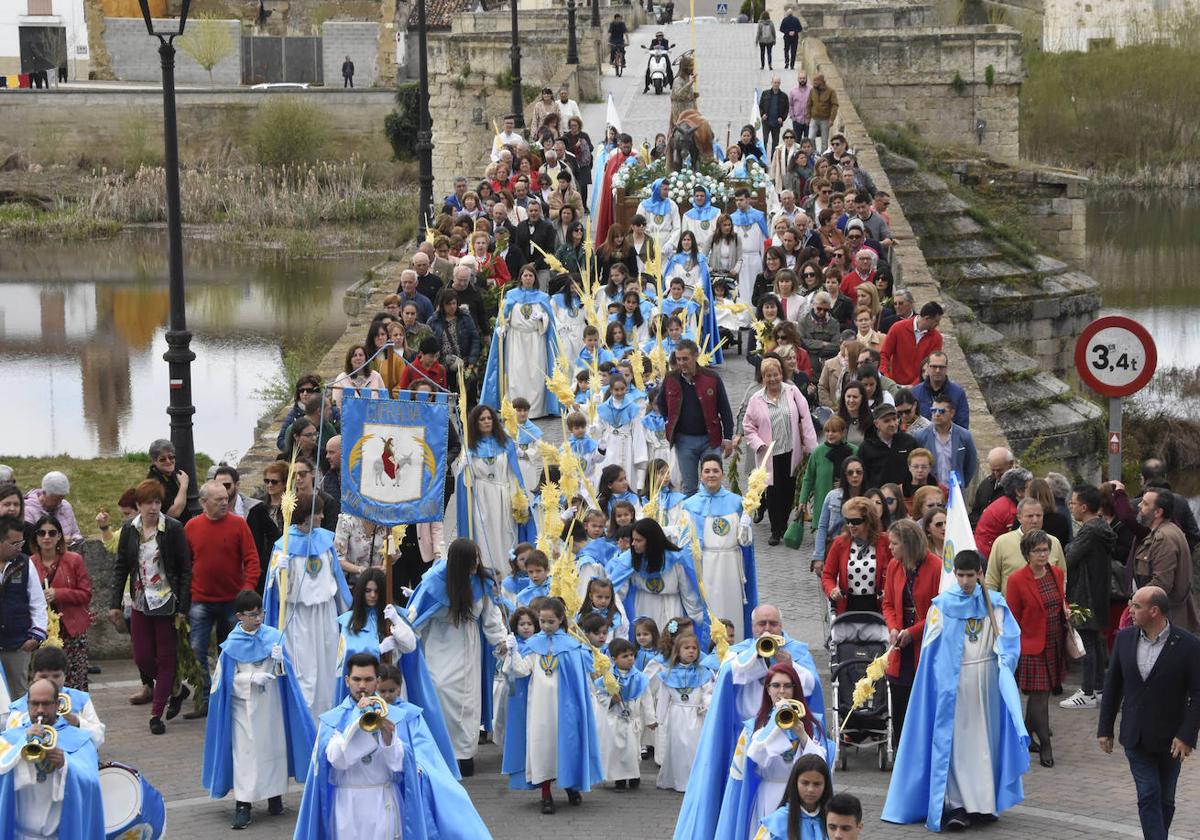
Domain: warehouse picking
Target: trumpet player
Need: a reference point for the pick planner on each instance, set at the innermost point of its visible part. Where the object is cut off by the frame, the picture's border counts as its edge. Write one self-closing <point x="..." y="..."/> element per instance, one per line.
<point x="258" y="732"/>
<point x="771" y="742"/>
<point x="377" y="772"/>
<point x="49" y="781"/>
<point x="74" y="706"/>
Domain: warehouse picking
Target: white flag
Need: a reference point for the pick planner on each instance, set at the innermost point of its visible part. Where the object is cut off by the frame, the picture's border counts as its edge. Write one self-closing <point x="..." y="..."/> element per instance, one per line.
<point x="755" y="117"/>
<point x="959" y="536"/>
<point x="611" y="117"/>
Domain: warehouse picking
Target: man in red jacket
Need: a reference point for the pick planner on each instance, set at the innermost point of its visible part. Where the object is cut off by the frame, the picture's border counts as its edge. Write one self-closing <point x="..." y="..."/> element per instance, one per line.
<point x="908" y="342"/>
<point x="224" y="562"/>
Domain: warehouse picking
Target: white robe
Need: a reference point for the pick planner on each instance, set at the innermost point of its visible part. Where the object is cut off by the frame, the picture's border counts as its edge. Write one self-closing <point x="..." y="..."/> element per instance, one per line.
<point x="722" y="569"/>
<point x="676" y="597"/>
<point x="703" y="230"/>
<point x="692" y="277"/>
<point x="526" y="362"/>
<point x="39" y="804"/>
<point x="260" y="766"/>
<point x="366" y="805"/>
<point x="311" y="631"/>
<point x="748" y="671"/>
<point x="665" y="228"/>
<point x="541" y="728"/>
<point x="727" y="319"/>
<point x="751" y="237"/>
<point x="492" y="528"/>
<point x="977" y="712"/>
<point x="453" y="655"/>
<point x="569" y="327"/>
<point x="624" y="446"/>
<point x="679" y="725"/>
<point x="773" y="754"/>
<point x="529" y="459"/>
<point x="621" y="726"/>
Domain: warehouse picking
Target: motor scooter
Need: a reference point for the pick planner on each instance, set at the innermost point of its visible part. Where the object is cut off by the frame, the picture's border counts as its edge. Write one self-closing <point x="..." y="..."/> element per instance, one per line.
<point x="658" y="67"/>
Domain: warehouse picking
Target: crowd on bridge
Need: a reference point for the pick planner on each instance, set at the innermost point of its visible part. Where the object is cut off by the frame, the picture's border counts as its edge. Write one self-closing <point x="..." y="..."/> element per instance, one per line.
<point x="597" y="611"/>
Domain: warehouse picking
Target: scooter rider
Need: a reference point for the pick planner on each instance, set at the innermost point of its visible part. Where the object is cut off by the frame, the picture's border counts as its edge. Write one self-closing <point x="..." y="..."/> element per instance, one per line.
<point x="660" y="42"/>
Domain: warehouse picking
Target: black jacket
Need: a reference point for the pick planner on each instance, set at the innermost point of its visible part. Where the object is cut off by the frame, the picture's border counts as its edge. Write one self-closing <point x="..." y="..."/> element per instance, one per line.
<point x="987" y="492"/>
<point x="1164" y="706"/>
<point x="886" y="464"/>
<point x="175" y="560"/>
<point x="1089" y="564"/>
<point x="265" y="531"/>
<point x="543" y="235"/>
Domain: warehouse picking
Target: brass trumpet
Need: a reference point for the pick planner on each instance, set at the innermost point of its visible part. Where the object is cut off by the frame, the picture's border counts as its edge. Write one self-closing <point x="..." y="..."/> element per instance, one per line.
<point x="374" y="714"/>
<point x="767" y="645"/>
<point x="789" y="715"/>
<point x="37" y="747"/>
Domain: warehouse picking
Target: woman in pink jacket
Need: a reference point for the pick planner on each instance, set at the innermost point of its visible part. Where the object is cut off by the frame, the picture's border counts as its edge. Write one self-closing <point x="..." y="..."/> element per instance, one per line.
<point x="778" y="414"/>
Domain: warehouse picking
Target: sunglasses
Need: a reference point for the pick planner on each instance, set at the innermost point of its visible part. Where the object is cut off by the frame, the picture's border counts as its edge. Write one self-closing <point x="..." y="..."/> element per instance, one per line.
<point x="272" y="481"/>
<point x="938" y="410"/>
<point x="47" y="533"/>
<point x="809" y="274"/>
<point x="855" y="520"/>
<point x="303" y="473"/>
<point x="854" y="472"/>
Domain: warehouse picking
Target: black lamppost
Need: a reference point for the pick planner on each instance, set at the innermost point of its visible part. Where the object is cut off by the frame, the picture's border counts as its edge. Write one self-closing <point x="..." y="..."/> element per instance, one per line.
<point x="179" y="356"/>
<point x="518" y="100"/>
<point x="572" y="44"/>
<point x="424" y="128"/>
<point x="596" y="13"/>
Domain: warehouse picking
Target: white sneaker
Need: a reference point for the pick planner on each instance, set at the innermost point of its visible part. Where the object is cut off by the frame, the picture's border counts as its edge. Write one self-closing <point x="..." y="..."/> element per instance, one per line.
<point x="1079" y="700"/>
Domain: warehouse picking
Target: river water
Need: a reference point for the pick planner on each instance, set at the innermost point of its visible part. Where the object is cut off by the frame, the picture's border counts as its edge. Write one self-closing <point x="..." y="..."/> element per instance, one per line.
<point x="82" y="334"/>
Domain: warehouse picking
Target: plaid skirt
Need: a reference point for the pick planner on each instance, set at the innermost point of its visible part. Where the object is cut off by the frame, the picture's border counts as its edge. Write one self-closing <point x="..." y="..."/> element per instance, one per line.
<point x="1046" y="671"/>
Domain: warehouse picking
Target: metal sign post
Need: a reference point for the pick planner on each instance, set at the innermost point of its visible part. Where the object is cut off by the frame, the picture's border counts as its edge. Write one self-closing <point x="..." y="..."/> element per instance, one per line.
<point x="1115" y="356"/>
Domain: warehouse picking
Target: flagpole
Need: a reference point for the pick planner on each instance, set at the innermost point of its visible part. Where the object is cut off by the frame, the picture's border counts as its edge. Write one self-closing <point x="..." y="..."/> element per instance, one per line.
<point x="695" y="66"/>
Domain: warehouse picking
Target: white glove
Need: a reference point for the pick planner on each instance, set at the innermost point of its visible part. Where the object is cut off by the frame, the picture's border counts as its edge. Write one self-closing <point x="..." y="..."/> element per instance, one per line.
<point x="391" y="614"/>
<point x="568" y="514"/>
<point x="501" y="330"/>
<point x="281" y="562"/>
<point x="277" y="653"/>
<point x="260" y="679"/>
<point x="387" y="645"/>
<point x="747" y="521"/>
<point x="407" y="593"/>
<point x="511" y="642"/>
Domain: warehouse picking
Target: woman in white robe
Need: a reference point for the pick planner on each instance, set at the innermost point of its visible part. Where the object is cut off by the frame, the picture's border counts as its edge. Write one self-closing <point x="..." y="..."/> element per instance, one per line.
<point x="570" y="318"/>
<point x="524" y="349"/>
<point x="488" y="474"/>
<point x="722" y="529"/>
<point x="656" y="579"/>
<point x="448" y="609"/>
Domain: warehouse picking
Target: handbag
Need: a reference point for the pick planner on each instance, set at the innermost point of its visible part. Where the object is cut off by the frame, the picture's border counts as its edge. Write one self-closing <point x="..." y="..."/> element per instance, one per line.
<point x="794" y="535"/>
<point x="1075" y="648"/>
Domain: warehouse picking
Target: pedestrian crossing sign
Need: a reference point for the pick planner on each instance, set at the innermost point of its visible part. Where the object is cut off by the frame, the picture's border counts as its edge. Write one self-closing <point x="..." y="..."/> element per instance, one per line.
<point x="722" y="8"/>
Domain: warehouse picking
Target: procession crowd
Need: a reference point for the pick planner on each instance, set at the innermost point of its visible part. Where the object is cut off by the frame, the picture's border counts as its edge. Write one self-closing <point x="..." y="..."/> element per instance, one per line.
<point x="597" y="608"/>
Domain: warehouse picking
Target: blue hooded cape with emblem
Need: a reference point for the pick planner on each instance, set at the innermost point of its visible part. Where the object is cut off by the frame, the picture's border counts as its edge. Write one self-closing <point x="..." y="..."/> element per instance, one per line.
<point x="239" y="646"/>
<point x="488" y="447"/>
<point x="82" y="809"/>
<point x="621" y="570"/>
<point x="491" y="378"/>
<point x="917" y="791"/>
<point x="701" y="505"/>
<point x="313" y="544"/>
<point x="433" y="803"/>
<point x="775" y="824"/>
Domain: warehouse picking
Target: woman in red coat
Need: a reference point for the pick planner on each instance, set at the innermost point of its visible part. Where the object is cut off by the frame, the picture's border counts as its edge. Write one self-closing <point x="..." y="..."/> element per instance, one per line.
<point x="857" y="562"/>
<point x="912" y="582"/>
<point x="68" y="592"/>
<point x="1038" y="601"/>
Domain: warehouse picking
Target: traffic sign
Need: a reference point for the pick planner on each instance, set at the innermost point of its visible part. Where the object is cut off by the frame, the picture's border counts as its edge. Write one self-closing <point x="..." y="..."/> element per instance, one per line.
<point x="1114" y="443"/>
<point x="722" y="9"/>
<point x="1115" y="356"/>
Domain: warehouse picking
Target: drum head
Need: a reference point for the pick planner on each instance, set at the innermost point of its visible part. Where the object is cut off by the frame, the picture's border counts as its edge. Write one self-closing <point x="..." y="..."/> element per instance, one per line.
<point x="121" y="791"/>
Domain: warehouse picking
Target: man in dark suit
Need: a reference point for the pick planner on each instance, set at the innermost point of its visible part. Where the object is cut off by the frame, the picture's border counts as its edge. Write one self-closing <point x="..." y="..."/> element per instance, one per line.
<point x="1154" y="677"/>
<point x="535" y="230"/>
<point x="999" y="461"/>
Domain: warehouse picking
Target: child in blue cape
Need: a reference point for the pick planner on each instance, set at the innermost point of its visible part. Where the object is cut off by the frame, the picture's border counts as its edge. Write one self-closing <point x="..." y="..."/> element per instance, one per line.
<point x="645" y="637"/>
<point x="625" y="717"/>
<point x="537" y="566"/>
<point x="561" y="744"/>
<point x="75" y="706"/>
<point x="592" y="351"/>
<point x="613" y="488"/>
<point x="517" y="578"/>
<point x="600" y="599"/>
<point x="507" y="689"/>
<point x="802" y="816"/>
<point x="684" y="689"/>
<point x="528" y="434"/>
<point x="259" y="731"/>
<point x="620" y="434"/>
<point x="585" y="448"/>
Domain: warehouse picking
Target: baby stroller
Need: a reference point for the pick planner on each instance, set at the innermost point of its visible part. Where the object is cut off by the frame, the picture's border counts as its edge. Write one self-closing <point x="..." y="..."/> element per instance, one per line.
<point x="855" y="639"/>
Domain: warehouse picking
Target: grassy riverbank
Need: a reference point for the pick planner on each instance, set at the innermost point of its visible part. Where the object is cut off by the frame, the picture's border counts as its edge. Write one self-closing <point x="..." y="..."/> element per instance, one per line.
<point x="1123" y="116"/>
<point x="96" y="483"/>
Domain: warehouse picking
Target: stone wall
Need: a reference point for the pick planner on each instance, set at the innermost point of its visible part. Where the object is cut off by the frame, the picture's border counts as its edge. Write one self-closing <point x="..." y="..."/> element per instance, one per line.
<point x="357" y="39"/>
<point x="908" y="262"/>
<point x="133" y="54"/>
<point x="937" y="78"/>
<point x="100" y="124"/>
<point x="819" y="16"/>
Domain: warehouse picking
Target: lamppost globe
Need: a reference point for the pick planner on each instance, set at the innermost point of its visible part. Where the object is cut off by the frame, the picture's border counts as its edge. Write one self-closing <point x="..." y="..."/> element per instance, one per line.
<point x="179" y="356"/>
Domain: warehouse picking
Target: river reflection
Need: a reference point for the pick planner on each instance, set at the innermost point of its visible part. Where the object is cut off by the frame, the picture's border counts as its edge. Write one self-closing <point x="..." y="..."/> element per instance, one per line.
<point x="82" y="333"/>
<point x="1143" y="250"/>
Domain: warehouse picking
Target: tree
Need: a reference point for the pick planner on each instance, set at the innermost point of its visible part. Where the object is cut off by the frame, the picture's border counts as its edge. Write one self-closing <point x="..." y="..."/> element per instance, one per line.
<point x="207" y="41"/>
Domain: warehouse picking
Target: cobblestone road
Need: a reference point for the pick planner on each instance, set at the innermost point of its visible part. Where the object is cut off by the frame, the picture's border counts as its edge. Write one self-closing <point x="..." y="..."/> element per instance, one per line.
<point x="1088" y="795"/>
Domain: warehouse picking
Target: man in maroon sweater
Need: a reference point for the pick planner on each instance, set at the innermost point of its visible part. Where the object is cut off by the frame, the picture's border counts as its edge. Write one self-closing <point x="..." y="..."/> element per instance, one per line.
<point x="224" y="562"/>
<point x="908" y="342"/>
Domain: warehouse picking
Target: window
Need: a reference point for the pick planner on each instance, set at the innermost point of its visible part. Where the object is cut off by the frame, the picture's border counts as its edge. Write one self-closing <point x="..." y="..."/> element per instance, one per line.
<point x="41" y="7"/>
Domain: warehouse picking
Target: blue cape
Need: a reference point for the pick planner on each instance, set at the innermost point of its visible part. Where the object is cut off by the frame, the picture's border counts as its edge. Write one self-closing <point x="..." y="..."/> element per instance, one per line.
<point x="314" y="543"/>
<point x="433" y="803"/>
<point x="418" y="684"/>
<point x="709" y="335"/>
<point x="918" y="786"/>
<point x="753" y="216"/>
<point x="239" y="646"/>
<point x="79" y="699"/>
<point x="670" y="306"/>
<point x="491" y="378"/>
<point x="584" y="359"/>
<point x="512" y="760"/>
<point x="705" y="211"/>
<point x="578" y="746"/>
<point x="82" y="809"/>
<point x="533" y="590"/>
<point x="618" y="415"/>
<point x="703" y="504"/>
<point x="488" y="448"/>
<point x="627" y="496"/>
<point x="776" y="824"/>
<point x="645" y="656"/>
<point x="621" y="571"/>
<point x="701" y="806"/>
<point x="656" y="205"/>
<point x="685" y="676"/>
<point x="633" y="683"/>
<point x="528" y="432"/>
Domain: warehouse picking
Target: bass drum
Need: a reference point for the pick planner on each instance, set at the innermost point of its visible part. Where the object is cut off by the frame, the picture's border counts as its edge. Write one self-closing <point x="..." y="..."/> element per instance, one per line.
<point x="133" y="808"/>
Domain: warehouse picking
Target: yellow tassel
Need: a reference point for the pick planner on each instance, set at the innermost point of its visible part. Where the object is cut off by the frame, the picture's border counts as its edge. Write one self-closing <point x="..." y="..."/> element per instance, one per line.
<point x="864" y="689"/>
<point x="520" y="504"/>
<point x="635" y="362"/>
<point x="756" y="484"/>
<point x="551" y="260"/>
<point x="508" y="416"/>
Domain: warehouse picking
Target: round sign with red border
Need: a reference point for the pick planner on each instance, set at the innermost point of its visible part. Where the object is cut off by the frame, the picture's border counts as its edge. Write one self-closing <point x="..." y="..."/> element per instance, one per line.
<point x="1115" y="356"/>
